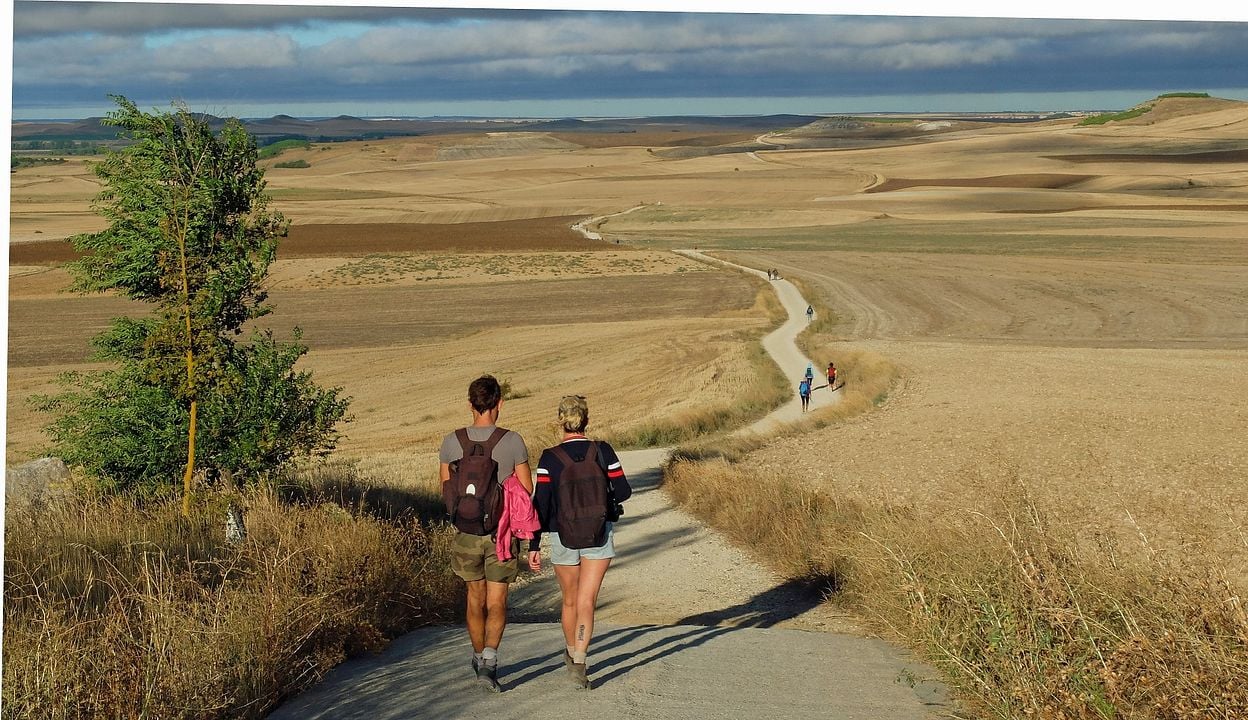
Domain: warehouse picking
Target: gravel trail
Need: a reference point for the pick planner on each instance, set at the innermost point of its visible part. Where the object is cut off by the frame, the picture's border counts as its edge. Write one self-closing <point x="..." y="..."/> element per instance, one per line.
<point x="688" y="626"/>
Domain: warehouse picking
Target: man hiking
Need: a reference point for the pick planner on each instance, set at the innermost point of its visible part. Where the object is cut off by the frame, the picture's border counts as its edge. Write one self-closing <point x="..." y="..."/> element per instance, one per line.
<point x="810" y="313"/>
<point x="473" y="463"/>
<point x="831" y="376"/>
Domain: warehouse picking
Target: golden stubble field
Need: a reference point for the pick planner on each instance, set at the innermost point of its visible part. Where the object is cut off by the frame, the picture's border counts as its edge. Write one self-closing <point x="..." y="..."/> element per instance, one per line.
<point x="639" y="332"/>
<point x="1067" y="303"/>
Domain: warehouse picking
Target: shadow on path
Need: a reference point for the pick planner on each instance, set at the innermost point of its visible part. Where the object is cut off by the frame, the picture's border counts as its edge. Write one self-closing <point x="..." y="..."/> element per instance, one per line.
<point x="616" y="652"/>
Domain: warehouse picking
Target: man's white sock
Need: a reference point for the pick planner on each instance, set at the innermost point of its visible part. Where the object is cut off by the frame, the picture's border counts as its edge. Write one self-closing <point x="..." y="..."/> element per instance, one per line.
<point x="490" y="656"/>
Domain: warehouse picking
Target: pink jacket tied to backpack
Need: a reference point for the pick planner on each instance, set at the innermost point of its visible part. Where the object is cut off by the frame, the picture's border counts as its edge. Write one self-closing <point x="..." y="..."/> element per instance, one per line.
<point x="519" y="519"/>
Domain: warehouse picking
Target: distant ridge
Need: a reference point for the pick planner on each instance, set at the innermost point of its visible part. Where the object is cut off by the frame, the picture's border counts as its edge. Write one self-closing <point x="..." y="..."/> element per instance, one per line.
<point x="806" y="128"/>
<point x="347" y="127"/>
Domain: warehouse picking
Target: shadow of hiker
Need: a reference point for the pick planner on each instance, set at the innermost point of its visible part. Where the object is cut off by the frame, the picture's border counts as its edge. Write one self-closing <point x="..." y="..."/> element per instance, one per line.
<point x="770" y="607"/>
<point x="644" y="481"/>
<point x="766" y="609"/>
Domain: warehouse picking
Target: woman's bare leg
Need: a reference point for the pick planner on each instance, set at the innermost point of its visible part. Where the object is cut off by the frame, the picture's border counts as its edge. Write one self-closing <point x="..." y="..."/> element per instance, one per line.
<point x="569" y="581"/>
<point x="590" y="582"/>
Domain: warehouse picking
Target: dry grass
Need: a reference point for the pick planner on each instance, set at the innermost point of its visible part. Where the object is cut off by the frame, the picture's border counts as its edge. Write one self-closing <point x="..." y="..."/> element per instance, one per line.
<point x="1028" y="618"/>
<point x="113" y="612"/>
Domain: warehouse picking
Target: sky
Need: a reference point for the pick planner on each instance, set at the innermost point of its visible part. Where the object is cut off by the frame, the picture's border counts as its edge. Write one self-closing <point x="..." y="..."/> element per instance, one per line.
<point x="251" y="60"/>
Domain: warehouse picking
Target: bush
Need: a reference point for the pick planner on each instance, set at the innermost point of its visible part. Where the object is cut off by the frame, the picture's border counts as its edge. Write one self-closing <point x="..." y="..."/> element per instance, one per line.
<point x="293" y="164"/>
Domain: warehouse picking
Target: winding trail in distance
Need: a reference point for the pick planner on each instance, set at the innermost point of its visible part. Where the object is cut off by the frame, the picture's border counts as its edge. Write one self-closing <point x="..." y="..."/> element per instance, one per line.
<point x="688" y="627"/>
<point x="583" y="226"/>
<point x="781" y="345"/>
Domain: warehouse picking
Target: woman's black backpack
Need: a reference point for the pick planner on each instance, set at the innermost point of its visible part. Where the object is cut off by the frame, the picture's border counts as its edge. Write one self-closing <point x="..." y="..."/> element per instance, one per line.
<point x="583" y="500"/>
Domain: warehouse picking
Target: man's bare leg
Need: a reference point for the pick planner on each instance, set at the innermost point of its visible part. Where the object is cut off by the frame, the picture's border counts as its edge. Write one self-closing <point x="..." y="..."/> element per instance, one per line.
<point x="475" y="614"/>
<point x="495" y="613"/>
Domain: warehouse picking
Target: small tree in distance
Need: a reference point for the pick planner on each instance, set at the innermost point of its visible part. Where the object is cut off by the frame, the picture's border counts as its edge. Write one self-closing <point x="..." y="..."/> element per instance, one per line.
<point x="191" y="234"/>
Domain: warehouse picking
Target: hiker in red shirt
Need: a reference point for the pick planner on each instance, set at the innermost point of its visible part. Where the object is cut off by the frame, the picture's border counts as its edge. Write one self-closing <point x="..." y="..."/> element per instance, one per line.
<point x="831" y="376"/>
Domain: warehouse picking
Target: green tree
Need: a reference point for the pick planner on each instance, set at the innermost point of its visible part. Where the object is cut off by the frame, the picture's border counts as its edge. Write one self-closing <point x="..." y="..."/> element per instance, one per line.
<point x="190" y="233"/>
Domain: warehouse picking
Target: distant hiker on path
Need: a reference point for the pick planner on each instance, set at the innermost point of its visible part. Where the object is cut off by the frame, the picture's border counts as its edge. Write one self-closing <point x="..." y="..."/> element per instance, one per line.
<point x="473" y="464"/>
<point x="810" y="313"/>
<point x="803" y="390"/>
<point x="580" y="486"/>
<point x="832" y="375"/>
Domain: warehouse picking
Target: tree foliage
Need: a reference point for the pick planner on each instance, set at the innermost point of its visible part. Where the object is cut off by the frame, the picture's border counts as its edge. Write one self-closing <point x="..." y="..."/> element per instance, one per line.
<point x="191" y="234"/>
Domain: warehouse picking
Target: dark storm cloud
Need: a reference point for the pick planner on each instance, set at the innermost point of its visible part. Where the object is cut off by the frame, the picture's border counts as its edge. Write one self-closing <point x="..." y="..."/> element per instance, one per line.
<point x="287" y="54"/>
<point x="32" y="19"/>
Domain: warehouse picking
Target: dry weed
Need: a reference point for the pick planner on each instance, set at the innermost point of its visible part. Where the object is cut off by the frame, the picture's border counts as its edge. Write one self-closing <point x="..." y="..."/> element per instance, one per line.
<point x="116" y="612"/>
<point x="1028" y="617"/>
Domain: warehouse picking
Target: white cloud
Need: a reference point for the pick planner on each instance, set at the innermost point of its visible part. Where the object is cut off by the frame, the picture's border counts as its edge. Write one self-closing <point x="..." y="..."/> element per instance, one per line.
<point x="259" y="51"/>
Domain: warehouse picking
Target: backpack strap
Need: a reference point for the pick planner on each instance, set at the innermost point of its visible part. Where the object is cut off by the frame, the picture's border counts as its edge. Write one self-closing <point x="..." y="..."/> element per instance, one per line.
<point x="564" y="459"/>
<point x="490" y="443"/>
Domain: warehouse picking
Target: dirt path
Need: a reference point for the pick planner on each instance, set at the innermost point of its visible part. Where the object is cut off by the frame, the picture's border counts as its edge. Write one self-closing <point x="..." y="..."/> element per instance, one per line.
<point x="781" y="345"/>
<point x="688" y="626"/>
<point x="583" y="227"/>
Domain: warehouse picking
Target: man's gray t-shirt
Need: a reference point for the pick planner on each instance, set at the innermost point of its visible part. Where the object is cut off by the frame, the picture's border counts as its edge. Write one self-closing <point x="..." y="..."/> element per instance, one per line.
<point x="508" y="453"/>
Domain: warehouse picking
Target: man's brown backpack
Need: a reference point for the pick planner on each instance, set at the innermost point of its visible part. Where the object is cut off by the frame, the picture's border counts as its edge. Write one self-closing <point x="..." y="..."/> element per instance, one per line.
<point x="583" y="500"/>
<point x="474" y="495"/>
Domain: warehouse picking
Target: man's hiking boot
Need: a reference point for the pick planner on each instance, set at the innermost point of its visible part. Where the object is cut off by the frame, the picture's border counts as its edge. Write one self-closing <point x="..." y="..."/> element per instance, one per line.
<point x="487" y="675"/>
<point x="567" y="659"/>
<point x="579" y="675"/>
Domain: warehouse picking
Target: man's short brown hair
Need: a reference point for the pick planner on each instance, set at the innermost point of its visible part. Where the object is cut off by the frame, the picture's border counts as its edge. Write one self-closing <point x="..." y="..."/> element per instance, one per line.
<point x="485" y="393"/>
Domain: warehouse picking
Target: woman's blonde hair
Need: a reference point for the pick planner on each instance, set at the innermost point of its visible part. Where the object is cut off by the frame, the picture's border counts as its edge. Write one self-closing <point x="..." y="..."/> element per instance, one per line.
<point x="573" y="413"/>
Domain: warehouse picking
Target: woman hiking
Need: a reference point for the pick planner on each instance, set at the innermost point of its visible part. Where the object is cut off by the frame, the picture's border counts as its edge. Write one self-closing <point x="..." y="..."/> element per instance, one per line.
<point x="579" y="487"/>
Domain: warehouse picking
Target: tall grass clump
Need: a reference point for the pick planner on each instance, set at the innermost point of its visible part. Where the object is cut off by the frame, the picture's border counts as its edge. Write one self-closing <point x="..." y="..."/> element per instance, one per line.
<point x="113" y="610"/>
<point x="1028" y="613"/>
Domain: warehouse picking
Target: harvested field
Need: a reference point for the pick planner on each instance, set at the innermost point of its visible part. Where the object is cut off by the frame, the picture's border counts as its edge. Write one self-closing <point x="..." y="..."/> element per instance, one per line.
<point x="987" y="298"/>
<point x="1217" y="156"/>
<point x="57" y="331"/>
<point x="655" y="138"/>
<point x="381" y="342"/>
<point x="1111" y="388"/>
<point x="1048" y="181"/>
<point x="357" y="239"/>
<point x="318" y="240"/>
